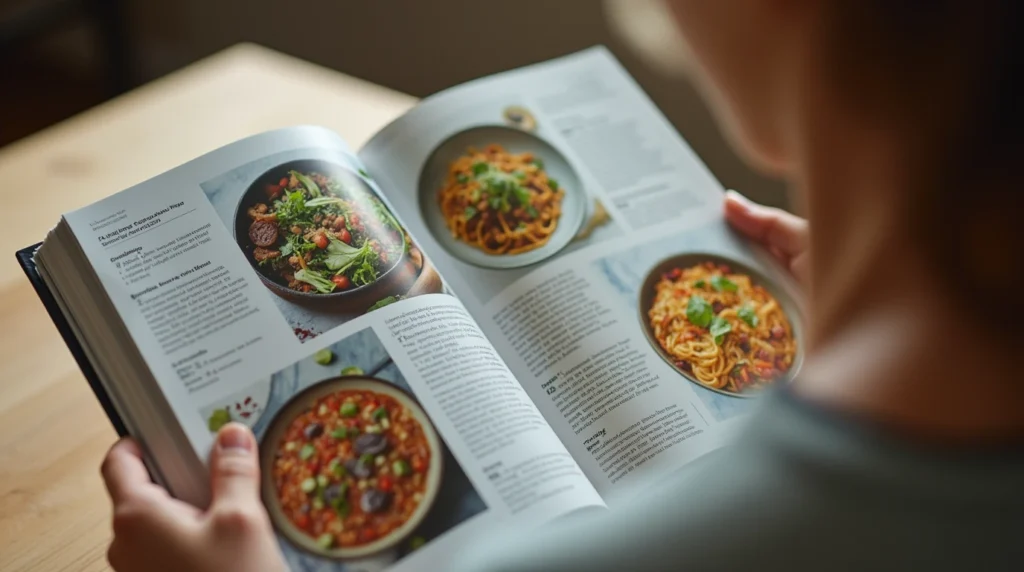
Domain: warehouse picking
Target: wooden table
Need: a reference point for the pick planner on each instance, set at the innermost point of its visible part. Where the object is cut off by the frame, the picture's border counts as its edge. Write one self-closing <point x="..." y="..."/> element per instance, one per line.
<point x="54" y="514"/>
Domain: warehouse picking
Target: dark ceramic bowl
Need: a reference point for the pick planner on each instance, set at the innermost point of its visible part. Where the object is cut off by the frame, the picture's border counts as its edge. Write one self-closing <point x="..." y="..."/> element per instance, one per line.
<point x="299" y="403"/>
<point x="690" y="259"/>
<point x="391" y="281"/>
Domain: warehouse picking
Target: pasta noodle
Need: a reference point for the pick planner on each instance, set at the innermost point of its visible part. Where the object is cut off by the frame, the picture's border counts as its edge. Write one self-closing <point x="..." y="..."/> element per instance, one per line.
<point x="720" y="328"/>
<point x="500" y="202"/>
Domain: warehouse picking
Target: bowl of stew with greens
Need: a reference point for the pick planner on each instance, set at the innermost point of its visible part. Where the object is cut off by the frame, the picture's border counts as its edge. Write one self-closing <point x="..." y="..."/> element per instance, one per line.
<point x="351" y="465"/>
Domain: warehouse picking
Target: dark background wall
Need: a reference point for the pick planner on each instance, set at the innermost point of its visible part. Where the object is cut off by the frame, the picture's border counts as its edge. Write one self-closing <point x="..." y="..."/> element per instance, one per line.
<point x="418" y="47"/>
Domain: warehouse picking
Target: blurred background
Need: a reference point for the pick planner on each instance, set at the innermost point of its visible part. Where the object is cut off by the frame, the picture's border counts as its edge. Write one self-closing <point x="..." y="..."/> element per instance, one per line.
<point x="60" y="57"/>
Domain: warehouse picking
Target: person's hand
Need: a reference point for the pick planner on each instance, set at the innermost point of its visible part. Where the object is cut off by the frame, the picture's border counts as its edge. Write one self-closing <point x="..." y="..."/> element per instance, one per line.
<point x="155" y="532"/>
<point x="785" y="235"/>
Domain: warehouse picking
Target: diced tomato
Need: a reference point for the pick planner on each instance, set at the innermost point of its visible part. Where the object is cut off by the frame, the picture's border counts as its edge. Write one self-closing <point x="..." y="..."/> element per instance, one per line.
<point x="302" y="521"/>
<point x="339" y="223"/>
<point x="418" y="464"/>
<point x="385" y="484"/>
<point x="367" y="535"/>
<point x="321" y="241"/>
<point x="283" y="182"/>
<point x="341" y="282"/>
<point x="345" y="236"/>
<point x="332" y="403"/>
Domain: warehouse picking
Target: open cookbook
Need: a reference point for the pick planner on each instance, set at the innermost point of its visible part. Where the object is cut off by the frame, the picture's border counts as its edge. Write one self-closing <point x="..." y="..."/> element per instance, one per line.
<point x="516" y="301"/>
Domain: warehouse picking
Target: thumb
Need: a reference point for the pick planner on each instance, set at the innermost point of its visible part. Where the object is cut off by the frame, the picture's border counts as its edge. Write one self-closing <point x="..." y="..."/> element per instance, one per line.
<point x="773" y="228"/>
<point x="234" y="467"/>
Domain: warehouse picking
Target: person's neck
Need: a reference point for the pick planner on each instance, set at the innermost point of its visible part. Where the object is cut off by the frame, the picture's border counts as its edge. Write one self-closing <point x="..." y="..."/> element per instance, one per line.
<point x="886" y="341"/>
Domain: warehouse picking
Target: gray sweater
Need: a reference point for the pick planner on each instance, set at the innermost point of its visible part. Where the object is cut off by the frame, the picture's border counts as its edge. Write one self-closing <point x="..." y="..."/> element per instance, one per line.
<point x="801" y="489"/>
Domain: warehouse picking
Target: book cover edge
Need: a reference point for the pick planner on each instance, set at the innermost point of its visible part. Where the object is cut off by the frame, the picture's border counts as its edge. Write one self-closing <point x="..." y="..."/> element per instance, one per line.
<point x="28" y="265"/>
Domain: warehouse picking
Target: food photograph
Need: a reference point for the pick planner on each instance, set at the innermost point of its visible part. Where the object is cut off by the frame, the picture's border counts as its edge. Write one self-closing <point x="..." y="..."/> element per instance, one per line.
<point x="715" y="321"/>
<point x="320" y="238"/>
<point x="356" y="475"/>
<point x="725" y="327"/>
<point x="500" y="197"/>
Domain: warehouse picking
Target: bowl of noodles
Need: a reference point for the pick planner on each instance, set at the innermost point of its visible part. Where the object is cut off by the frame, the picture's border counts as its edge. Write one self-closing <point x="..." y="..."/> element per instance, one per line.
<point x="721" y="324"/>
<point x="499" y="197"/>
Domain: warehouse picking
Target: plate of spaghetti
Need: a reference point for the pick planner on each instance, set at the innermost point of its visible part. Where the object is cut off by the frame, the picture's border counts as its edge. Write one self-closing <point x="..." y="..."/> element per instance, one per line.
<point x="721" y="324"/>
<point x="499" y="197"/>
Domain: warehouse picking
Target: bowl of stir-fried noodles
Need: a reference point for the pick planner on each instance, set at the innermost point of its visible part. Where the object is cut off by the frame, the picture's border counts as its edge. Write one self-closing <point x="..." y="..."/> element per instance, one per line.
<point x="500" y="197"/>
<point x="721" y="324"/>
<point x="317" y="234"/>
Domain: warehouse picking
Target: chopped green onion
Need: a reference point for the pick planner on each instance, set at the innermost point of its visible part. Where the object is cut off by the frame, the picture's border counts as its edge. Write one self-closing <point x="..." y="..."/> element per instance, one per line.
<point x="401" y="468"/>
<point x="348" y="409"/>
<point x="325" y="540"/>
<point x="308" y="485"/>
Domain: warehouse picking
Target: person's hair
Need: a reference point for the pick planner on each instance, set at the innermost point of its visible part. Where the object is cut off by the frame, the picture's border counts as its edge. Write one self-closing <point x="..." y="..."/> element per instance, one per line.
<point x="947" y="75"/>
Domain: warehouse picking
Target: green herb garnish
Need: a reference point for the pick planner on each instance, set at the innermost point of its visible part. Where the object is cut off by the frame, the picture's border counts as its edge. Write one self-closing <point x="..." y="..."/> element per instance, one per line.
<point x="719" y="328"/>
<point x="311" y="187"/>
<point x="317" y="280"/>
<point x="383" y="302"/>
<point x="699" y="311"/>
<point x="723" y="284"/>
<point x="307" y="451"/>
<point x="748" y="315"/>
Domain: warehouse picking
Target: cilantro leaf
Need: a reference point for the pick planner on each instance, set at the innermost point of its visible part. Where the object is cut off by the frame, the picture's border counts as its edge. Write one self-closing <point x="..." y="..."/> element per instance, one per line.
<point x="748" y="315"/>
<point x="723" y="284"/>
<point x="719" y="328"/>
<point x="699" y="311"/>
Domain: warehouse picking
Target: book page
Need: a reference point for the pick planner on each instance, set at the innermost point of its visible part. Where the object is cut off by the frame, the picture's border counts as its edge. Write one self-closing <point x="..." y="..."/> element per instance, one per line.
<point x="270" y="283"/>
<point x="577" y="226"/>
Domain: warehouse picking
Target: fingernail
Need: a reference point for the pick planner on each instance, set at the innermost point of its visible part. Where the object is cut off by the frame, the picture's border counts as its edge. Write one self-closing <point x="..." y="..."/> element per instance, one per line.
<point x="736" y="196"/>
<point x="236" y="437"/>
